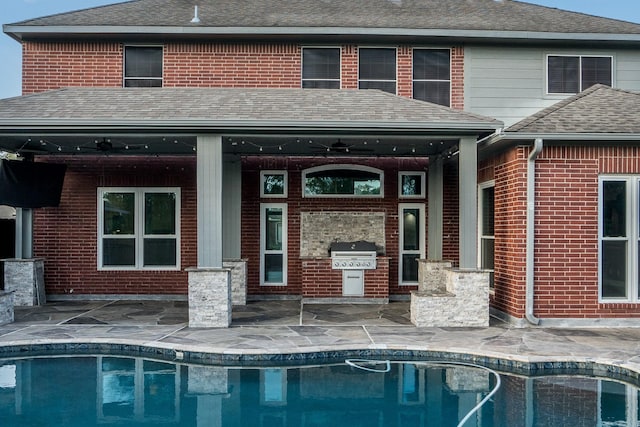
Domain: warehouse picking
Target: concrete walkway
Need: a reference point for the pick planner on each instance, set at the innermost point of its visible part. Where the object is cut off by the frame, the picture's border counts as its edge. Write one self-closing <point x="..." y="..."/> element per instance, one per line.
<point x="288" y="327"/>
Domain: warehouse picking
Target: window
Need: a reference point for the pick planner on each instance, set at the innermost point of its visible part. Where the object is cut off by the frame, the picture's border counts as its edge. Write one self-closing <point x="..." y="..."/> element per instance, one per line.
<point x="273" y="244"/>
<point x="411" y="184"/>
<point x="619" y="238"/>
<point x="432" y="75"/>
<point x="342" y="181"/>
<point x="486" y="199"/>
<point x="320" y="68"/>
<point x="573" y="74"/>
<point x="138" y="228"/>
<point x="377" y="69"/>
<point x="143" y="66"/>
<point x="412" y="246"/>
<point x="273" y="184"/>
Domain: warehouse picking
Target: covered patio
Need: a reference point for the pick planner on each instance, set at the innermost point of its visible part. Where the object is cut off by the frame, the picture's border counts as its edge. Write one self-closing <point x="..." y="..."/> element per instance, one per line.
<point x="218" y="126"/>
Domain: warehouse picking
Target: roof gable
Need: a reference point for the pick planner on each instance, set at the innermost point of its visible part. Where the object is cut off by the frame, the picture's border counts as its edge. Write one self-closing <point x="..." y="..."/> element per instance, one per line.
<point x="318" y="15"/>
<point x="599" y="109"/>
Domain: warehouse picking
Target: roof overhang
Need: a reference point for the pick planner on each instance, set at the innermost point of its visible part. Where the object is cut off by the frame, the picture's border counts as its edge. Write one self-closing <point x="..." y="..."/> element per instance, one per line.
<point x="501" y="140"/>
<point x="353" y="34"/>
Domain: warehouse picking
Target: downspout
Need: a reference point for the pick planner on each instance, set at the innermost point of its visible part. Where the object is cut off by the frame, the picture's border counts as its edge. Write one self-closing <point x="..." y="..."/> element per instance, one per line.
<point x="530" y="239"/>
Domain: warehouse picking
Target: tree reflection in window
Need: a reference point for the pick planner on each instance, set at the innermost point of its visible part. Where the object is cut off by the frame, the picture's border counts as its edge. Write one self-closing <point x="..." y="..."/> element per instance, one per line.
<point x="342" y="182"/>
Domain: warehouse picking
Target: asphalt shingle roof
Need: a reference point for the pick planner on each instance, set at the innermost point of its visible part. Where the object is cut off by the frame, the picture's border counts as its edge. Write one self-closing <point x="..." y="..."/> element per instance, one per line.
<point x="488" y="15"/>
<point x="209" y="105"/>
<point x="599" y="109"/>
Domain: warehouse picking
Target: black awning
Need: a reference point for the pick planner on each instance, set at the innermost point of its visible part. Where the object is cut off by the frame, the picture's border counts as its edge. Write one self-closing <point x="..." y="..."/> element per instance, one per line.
<point x="30" y="184"/>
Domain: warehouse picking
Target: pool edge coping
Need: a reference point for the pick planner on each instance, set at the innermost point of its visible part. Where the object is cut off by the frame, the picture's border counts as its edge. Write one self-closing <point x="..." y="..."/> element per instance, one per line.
<point x="195" y="354"/>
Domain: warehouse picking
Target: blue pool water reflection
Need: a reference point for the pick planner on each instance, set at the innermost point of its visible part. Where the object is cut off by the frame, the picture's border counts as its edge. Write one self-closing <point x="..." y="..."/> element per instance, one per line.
<point x="122" y="391"/>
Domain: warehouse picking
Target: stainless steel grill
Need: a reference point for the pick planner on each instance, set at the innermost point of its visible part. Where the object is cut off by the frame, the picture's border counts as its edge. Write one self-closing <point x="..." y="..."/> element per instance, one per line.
<point x="359" y="255"/>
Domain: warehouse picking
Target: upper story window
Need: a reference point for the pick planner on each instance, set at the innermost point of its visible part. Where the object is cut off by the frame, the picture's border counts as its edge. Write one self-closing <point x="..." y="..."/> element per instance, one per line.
<point x="573" y="74"/>
<point x="377" y="69"/>
<point x="143" y="66"/>
<point x="342" y="181"/>
<point x="432" y="75"/>
<point x="320" y="68"/>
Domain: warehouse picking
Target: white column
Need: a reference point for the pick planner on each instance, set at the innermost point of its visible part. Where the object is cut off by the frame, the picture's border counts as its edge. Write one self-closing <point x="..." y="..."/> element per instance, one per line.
<point x="24" y="233"/>
<point x="468" y="205"/>
<point x="209" y="179"/>
<point x="435" y="203"/>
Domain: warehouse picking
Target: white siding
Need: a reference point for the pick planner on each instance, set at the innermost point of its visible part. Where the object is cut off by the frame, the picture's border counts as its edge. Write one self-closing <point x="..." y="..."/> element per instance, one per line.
<point x="509" y="83"/>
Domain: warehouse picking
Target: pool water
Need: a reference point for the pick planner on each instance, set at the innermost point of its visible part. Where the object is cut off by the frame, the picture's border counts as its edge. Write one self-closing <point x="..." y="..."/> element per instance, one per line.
<point x="121" y="391"/>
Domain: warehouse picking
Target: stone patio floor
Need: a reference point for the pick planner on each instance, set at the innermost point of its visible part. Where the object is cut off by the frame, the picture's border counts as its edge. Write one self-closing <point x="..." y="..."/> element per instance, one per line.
<point x="282" y="327"/>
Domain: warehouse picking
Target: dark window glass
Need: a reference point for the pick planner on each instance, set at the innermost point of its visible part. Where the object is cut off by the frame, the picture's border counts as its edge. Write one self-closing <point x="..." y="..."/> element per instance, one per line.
<point x="614" y="269"/>
<point x="377" y="69"/>
<point x="160" y="213"/>
<point x="321" y="68"/>
<point x="614" y="209"/>
<point x="434" y="92"/>
<point x="411" y="232"/>
<point x="595" y="70"/>
<point x="159" y="252"/>
<point x="564" y="75"/>
<point x="410" y="267"/>
<point x="273" y="268"/>
<point x="572" y="74"/>
<point x="142" y="66"/>
<point x="488" y="211"/>
<point x="118" y="252"/>
<point x="119" y="213"/>
<point x="431" y="64"/>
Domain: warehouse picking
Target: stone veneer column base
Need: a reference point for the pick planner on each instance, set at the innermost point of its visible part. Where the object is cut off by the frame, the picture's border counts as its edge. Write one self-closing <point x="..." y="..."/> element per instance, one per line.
<point x="464" y="301"/>
<point x="6" y="308"/>
<point x="238" y="269"/>
<point x="25" y="277"/>
<point x="209" y="297"/>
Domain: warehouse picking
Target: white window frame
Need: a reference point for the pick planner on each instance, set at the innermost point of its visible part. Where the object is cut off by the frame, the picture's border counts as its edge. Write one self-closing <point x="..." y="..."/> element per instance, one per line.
<point x="138" y="235"/>
<point x="414" y="80"/>
<point x="380" y="172"/>
<point x="395" y="81"/>
<point x="481" y="187"/>
<point x="579" y="56"/>
<point x="422" y="246"/>
<point x="339" y="80"/>
<point x="263" y="243"/>
<point x="285" y="176"/>
<point x="422" y="185"/>
<point x="124" y="65"/>
<point x="632" y="236"/>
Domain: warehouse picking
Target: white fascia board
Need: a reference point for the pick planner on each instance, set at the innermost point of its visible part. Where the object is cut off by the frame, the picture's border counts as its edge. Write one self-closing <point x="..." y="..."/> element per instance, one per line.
<point x="52" y="124"/>
<point x="18" y="31"/>
<point x="515" y="137"/>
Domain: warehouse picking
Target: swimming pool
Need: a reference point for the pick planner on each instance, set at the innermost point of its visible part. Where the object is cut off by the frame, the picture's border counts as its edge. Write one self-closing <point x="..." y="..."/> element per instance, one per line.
<point x="136" y="391"/>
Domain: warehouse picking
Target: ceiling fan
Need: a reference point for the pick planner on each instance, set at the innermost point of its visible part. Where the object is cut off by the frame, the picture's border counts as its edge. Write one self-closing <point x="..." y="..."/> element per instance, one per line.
<point x="342" y="148"/>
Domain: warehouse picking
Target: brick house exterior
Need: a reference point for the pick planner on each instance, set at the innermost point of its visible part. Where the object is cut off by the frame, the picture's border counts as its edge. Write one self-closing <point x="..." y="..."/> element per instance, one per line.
<point x="559" y="282"/>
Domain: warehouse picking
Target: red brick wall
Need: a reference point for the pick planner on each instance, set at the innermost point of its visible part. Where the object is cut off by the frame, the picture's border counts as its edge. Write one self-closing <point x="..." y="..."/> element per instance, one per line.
<point x="47" y="66"/>
<point x="251" y="200"/>
<point x="66" y="236"/>
<point x="55" y="65"/>
<point x="510" y="232"/>
<point x="566" y="246"/>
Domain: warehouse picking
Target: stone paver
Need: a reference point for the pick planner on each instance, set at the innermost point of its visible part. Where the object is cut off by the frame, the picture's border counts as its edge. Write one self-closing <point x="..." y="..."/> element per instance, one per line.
<point x="279" y="327"/>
